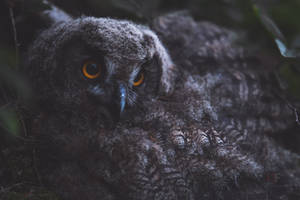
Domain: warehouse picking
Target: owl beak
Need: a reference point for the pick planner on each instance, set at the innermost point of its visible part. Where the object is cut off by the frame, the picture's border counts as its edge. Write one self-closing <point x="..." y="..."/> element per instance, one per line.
<point x="112" y="100"/>
<point x="123" y="94"/>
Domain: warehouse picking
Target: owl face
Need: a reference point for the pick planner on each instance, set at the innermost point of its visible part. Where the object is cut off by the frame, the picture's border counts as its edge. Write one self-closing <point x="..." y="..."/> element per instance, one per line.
<point x="101" y="65"/>
<point x="95" y="79"/>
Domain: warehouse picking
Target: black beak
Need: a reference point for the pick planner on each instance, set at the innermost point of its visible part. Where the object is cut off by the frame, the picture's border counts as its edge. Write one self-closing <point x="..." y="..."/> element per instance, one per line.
<point x="122" y="96"/>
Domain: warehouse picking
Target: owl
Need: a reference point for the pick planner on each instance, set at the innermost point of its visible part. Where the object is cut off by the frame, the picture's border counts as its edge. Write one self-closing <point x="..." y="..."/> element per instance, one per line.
<point x="176" y="112"/>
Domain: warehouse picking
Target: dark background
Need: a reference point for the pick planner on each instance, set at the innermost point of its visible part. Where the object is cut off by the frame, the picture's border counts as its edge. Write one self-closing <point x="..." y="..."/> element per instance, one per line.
<point x="257" y="24"/>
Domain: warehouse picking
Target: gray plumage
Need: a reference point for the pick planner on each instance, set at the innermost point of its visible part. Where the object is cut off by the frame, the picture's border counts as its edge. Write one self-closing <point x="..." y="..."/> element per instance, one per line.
<point x="207" y="135"/>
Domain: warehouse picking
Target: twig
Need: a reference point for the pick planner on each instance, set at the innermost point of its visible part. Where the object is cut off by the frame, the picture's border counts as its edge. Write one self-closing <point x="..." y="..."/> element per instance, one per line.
<point x="13" y="22"/>
<point x="21" y="119"/>
<point x="23" y="125"/>
<point x="295" y="113"/>
<point x="293" y="108"/>
<point x="4" y="93"/>
<point x="35" y="167"/>
<point x="297" y="117"/>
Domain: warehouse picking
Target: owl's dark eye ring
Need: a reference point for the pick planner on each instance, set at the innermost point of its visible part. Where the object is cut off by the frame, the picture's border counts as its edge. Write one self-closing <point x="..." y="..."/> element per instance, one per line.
<point x="139" y="79"/>
<point x="91" y="69"/>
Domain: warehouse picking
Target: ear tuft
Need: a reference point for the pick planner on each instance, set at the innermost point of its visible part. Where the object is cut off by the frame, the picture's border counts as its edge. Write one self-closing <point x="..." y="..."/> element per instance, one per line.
<point x="54" y="14"/>
<point x="168" y="69"/>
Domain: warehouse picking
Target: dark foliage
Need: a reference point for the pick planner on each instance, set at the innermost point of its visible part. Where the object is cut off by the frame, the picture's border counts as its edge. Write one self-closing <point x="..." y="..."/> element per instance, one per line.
<point x="268" y="31"/>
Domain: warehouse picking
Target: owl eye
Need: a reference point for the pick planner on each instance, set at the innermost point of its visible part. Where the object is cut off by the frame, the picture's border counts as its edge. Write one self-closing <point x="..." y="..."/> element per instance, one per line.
<point x="91" y="69"/>
<point x="139" y="79"/>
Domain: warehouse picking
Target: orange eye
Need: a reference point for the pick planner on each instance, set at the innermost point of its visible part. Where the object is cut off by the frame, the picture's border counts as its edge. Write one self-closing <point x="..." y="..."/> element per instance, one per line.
<point x="91" y="69"/>
<point x="139" y="79"/>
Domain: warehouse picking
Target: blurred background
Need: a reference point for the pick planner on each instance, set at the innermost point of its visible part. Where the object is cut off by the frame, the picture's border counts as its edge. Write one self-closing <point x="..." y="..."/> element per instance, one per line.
<point x="269" y="29"/>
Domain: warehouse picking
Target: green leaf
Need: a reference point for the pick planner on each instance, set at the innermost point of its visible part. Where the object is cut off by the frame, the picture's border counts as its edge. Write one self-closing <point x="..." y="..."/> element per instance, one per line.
<point x="277" y="35"/>
<point x="9" y="121"/>
<point x="268" y="23"/>
<point x="288" y="53"/>
<point x="15" y="82"/>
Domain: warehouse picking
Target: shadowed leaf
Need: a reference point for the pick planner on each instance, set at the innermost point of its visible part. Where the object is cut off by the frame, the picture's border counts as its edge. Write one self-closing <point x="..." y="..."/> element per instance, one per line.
<point x="9" y="121"/>
<point x="277" y="35"/>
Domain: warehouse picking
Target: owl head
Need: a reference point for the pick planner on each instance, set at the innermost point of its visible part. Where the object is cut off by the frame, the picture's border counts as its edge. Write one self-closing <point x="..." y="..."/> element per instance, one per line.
<point x="100" y="65"/>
